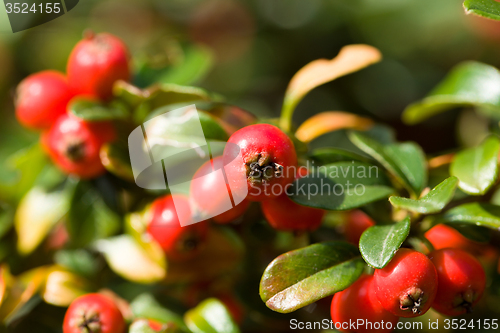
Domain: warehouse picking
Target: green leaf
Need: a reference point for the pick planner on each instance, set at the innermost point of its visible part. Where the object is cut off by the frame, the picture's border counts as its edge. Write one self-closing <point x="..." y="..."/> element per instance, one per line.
<point x="341" y="186"/>
<point x="210" y="316"/>
<point x="197" y="61"/>
<point x="165" y="94"/>
<point x="486" y="8"/>
<point x="470" y="83"/>
<point x="378" y="244"/>
<point x="78" y="261"/>
<point x="6" y="219"/>
<point x="37" y="213"/>
<point x="432" y="202"/>
<point x="477" y="168"/>
<point x="331" y="155"/>
<point x="89" y="110"/>
<point x="405" y="161"/>
<point x="25" y="165"/>
<point x="89" y="217"/>
<point x="139" y="262"/>
<point x="301" y="277"/>
<point x="481" y="214"/>
<point x="146" y="306"/>
<point x="116" y="159"/>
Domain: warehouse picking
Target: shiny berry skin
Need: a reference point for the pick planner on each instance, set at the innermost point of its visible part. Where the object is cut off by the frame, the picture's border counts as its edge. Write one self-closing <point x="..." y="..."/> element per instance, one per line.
<point x="359" y="302"/>
<point x="74" y="145"/>
<point x="407" y="286"/>
<point x="211" y="195"/>
<point x="41" y="99"/>
<point x="284" y="214"/>
<point x="95" y="63"/>
<point x="461" y="281"/>
<point x="442" y="236"/>
<point x="357" y="222"/>
<point x="179" y="243"/>
<point x="93" y="313"/>
<point x="266" y="158"/>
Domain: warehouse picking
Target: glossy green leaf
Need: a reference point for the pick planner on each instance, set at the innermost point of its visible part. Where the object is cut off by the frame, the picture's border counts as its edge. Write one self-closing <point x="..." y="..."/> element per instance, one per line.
<point x="89" y="110"/>
<point x="128" y="93"/>
<point x="324" y="156"/>
<point x="89" y="217"/>
<point x="210" y="316"/>
<point x="341" y="186"/>
<point x="37" y="213"/>
<point x="301" y="277"/>
<point x="469" y="84"/>
<point x="135" y="261"/>
<point x="486" y="8"/>
<point x="477" y="168"/>
<point x="165" y="94"/>
<point x="432" y="202"/>
<point x="482" y="214"/>
<point x="378" y="244"/>
<point x="146" y="306"/>
<point x="405" y="161"/>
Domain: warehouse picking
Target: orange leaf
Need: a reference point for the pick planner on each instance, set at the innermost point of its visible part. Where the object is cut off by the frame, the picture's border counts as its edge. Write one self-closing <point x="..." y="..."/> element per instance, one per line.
<point x="350" y="59"/>
<point x="330" y="121"/>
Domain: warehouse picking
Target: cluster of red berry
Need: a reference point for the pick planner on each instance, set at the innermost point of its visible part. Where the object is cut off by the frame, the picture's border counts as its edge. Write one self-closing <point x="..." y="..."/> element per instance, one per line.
<point x="262" y="147"/>
<point x="449" y="279"/>
<point x="43" y="100"/>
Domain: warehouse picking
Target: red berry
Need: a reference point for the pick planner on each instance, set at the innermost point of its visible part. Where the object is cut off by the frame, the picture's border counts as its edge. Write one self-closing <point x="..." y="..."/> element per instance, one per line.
<point x="442" y="236"/>
<point x="95" y="63"/>
<point x="359" y="302"/>
<point x="74" y="145"/>
<point x="41" y="99"/>
<point x="461" y="281"/>
<point x="211" y="194"/>
<point x="93" y="313"/>
<point x="178" y="242"/>
<point x="357" y="222"/>
<point x="284" y="214"/>
<point x="265" y="156"/>
<point x="406" y="287"/>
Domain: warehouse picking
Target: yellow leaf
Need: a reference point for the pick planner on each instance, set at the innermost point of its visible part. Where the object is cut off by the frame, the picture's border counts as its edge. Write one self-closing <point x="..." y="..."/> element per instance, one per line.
<point x="37" y="213"/>
<point x="62" y="287"/>
<point x="350" y="59"/>
<point x="330" y="121"/>
<point x="135" y="261"/>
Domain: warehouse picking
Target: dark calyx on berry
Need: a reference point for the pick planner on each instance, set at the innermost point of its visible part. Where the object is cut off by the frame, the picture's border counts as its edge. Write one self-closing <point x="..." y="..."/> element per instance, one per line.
<point x="89" y="323"/>
<point x="413" y="301"/>
<point x="260" y="169"/>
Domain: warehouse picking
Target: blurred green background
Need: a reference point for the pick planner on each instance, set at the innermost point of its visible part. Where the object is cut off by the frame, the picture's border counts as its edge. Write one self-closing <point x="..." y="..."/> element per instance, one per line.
<point x="259" y="44"/>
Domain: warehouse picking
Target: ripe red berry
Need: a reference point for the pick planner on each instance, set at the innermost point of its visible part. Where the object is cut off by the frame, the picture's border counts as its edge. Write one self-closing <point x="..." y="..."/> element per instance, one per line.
<point x="93" y="313"/>
<point x="407" y="286"/>
<point x="357" y="222"/>
<point x="95" y="63"/>
<point x="461" y="281"/>
<point x="442" y="236"/>
<point x="359" y="302"/>
<point x="284" y="214"/>
<point x="212" y="196"/>
<point x="178" y="242"/>
<point x="74" y="145"/>
<point x="265" y="156"/>
<point x="41" y="99"/>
